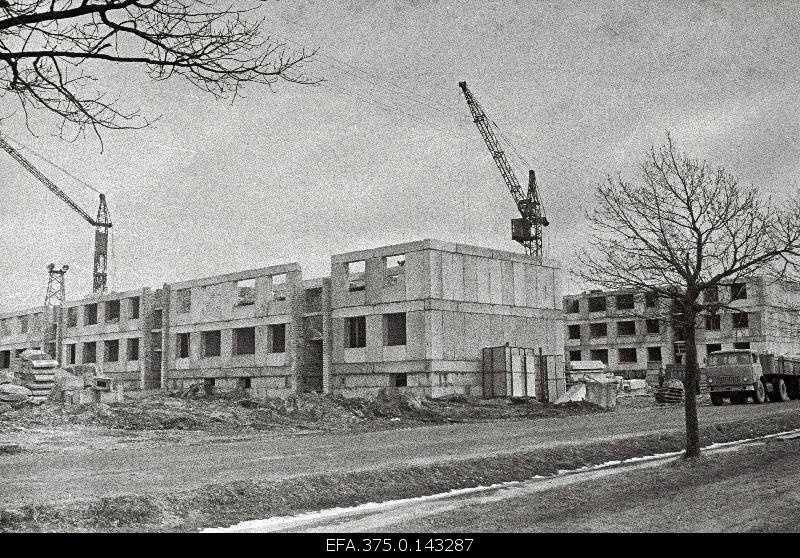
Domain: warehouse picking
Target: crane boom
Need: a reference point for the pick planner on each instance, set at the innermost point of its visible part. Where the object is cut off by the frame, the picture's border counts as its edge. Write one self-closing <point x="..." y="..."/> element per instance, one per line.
<point x="101" y="224"/>
<point x="528" y="230"/>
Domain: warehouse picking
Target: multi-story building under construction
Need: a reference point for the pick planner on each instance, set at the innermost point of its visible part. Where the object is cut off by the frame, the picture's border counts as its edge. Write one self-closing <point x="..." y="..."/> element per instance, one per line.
<point x="414" y="316"/>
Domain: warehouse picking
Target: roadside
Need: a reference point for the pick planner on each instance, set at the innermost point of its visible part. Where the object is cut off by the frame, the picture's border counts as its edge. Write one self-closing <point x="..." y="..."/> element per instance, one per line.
<point x="226" y="503"/>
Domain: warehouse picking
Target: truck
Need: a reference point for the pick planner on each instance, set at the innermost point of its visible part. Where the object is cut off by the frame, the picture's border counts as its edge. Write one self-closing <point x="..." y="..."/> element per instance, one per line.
<point x="743" y="374"/>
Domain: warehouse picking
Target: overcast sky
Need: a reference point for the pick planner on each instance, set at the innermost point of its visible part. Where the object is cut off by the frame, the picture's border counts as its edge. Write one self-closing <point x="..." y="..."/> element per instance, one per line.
<point x="385" y="152"/>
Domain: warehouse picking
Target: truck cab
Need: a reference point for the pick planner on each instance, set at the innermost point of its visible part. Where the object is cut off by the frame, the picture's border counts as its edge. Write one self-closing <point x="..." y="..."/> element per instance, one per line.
<point x="735" y="375"/>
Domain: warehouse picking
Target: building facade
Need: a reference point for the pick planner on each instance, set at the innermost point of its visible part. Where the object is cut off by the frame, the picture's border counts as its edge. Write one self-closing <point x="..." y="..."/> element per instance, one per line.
<point x="633" y="333"/>
<point x="414" y="316"/>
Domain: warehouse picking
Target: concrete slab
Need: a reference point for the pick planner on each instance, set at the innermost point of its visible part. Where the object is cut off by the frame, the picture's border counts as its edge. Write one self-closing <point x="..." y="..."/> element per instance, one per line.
<point x="470" y="264"/>
<point x="496" y="281"/>
<point x="484" y="286"/>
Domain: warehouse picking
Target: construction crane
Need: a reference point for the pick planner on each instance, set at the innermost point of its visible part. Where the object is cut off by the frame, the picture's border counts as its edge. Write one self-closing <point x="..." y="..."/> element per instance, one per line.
<point x="526" y="230"/>
<point x="101" y="224"/>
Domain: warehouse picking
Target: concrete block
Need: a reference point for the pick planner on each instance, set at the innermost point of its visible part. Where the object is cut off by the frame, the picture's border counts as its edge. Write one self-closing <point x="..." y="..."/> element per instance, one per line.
<point x="484" y="286"/>
<point x="496" y="282"/>
<point x="416" y="276"/>
<point x="415" y="335"/>
<point x="374" y="337"/>
<point x="531" y="279"/>
<point x="470" y="264"/>
<point x="458" y="326"/>
<point x="507" y="272"/>
<point x="436" y="335"/>
<point x="448" y="278"/>
<point x="373" y="280"/>
<point x="518" y="270"/>
<point x="449" y="336"/>
<point x="435" y="259"/>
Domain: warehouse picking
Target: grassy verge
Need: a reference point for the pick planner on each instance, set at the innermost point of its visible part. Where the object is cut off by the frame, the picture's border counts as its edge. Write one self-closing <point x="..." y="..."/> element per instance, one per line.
<point x="229" y="503"/>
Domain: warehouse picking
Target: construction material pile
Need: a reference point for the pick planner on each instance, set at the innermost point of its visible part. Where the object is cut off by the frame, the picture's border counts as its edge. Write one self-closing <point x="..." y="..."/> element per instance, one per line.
<point x="236" y="411"/>
<point x="671" y="392"/>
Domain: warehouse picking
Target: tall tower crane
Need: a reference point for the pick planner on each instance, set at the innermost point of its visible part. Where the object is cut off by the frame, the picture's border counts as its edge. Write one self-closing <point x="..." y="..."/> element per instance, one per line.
<point x="526" y="230"/>
<point x="101" y="224"/>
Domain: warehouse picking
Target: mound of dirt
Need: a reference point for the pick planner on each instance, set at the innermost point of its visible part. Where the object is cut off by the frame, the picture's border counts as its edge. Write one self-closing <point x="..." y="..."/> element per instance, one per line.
<point x="391" y="408"/>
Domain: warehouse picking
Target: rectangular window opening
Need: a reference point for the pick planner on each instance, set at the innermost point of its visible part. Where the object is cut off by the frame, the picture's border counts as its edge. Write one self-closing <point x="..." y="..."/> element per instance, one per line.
<point x="626" y="328"/>
<point x="574" y="331"/>
<point x="245" y="292"/>
<point x="395" y="327"/>
<point x="182" y="345"/>
<point x="600" y="354"/>
<point x="398" y="380"/>
<point x="625" y="302"/>
<point x="650" y="300"/>
<point x="627" y="355"/>
<point x="244" y="341"/>
<point x="133" y="308"/>
<point x="158" y="318"/>
<point x="23" y="324"/>
<point x="599" y="329"/>
<point x="355" y="275"/>
<point x="394" y="268"/>
<point x="89" y="352"/>
<point x="713" y="322"/>
<point x="243" y="383"/>
<point x="279" y="287"/>
<point x="112" y="311"/>
<point x="740" y="320"/>
<point x="111" y="350"/>
<point x="597" y="304"/>
<point x="356" y="332"/>
<point x="72" y="316"/>
<point x="90" y="314"/>
<point x="133" y="349"/>
<point x="572" y="306"/>
<point x="713" y="347"/>
<point x="711" y="295"/>
<point x="742" y="345"/>
<point x="653" y="354"/>
<point x="653" y="326"/>
<point x="739" y="291"/>
<point x="211" y="342"/>
<point x="574" y="356"/>
<point x="277" y="334"/>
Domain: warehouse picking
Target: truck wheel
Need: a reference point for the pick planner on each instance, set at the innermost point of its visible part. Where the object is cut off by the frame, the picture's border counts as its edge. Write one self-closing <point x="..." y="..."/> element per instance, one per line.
<point x="760" y="394"/>
<point x="779" y="390"/>
<point x="716" y="399"/>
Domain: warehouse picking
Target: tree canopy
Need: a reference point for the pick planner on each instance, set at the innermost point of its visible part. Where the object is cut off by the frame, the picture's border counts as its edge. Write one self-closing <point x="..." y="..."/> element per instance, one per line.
<point x="53" y="52"/>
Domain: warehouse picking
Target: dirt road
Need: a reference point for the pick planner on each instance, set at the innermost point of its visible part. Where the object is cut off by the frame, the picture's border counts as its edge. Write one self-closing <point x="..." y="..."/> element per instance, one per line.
<point x="185" y="461"/>
<point x="664" y="495"/>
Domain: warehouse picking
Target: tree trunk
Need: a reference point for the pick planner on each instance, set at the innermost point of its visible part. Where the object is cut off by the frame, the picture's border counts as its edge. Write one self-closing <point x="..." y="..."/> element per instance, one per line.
<point x="690" y="384"/>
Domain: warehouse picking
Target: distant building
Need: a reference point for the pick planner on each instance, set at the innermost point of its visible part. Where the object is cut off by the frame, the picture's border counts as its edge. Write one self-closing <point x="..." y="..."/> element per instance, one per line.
<point x="633" y="333"/>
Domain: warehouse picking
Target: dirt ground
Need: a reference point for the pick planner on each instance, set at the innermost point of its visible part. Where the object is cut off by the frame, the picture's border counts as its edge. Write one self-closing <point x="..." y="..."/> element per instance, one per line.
<point x="171" y="479"/>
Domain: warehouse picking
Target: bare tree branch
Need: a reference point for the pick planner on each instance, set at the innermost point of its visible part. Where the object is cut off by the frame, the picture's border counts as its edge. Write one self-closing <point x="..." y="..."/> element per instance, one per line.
<point x="53" y="53"/>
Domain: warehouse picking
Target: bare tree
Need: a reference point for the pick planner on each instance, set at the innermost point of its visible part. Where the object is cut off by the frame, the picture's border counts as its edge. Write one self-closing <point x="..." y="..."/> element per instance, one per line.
<point x="685" y="230"/>
<point x="52" y="53"/>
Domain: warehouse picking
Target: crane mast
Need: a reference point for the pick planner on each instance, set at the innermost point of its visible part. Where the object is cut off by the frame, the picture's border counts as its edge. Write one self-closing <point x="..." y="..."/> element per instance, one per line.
<point x="101" y="225"/>
<point x="526" y="230"/>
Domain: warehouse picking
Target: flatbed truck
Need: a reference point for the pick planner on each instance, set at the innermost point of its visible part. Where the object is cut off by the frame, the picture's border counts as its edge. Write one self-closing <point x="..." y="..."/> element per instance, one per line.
<point x="740" y="375"/>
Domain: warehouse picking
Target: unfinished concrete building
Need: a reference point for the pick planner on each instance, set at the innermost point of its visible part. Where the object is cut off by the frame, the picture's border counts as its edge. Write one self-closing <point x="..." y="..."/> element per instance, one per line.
<point x="418" y="315"/>
<point x="633" y="333"/>
<point x="414" y="316"/>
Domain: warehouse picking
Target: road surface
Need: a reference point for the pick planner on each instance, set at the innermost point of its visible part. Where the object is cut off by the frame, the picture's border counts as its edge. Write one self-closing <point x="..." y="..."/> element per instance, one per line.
<point x="190" y="462"/>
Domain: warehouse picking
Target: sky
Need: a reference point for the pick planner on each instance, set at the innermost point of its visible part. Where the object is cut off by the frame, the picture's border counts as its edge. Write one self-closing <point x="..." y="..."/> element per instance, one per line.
<point x="384" y="150"/>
